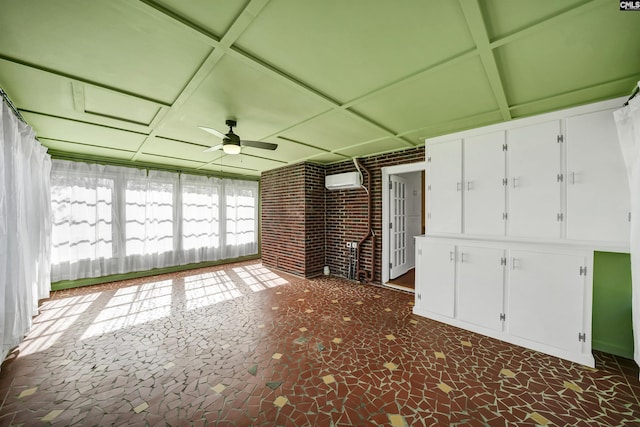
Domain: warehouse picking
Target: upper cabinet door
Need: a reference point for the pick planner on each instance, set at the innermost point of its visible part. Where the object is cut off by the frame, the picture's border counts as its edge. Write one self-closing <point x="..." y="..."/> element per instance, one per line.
<point x="444" y="201"/>
<point x="598" y="199"/>
<point x="535" y="192"/>
<point x="484" y="172"/>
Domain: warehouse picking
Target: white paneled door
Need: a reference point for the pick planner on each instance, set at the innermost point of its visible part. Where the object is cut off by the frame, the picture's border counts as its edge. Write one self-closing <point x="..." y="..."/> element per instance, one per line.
<point x="398" y="226"/>
<point x="444" y="201"/>
<point x="598" y="200"/>
<point x="484" y="170"/>
<point x="535" y="184"/>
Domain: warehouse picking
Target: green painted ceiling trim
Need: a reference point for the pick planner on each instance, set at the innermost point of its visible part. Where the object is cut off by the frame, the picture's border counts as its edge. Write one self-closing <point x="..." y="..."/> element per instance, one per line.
<point x="70" y="284"/>
<point x="558" y="19"/>
<point x="81" y="80"/>
<point x="477" y="26"/>
<point x="76" y="157"/>
<point x="178" y="21"/>
<point x="305" y="145"/>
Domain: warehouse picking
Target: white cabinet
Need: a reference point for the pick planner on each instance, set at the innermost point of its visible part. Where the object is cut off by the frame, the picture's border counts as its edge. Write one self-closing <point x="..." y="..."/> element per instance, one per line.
<point x="596" y="180"/>
<point x="534" y="295"/>
<point x="535" y="188"/>
<point x="435" y="290"/>
<point x="547" y="293"/>
<point x="484" y="171"/>
<point x="480" y="286"/>
<point x="444" y="185"/>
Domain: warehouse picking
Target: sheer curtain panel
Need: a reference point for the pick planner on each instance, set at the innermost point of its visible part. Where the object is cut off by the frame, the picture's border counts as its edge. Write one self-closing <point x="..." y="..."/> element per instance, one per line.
<point x="628" y="125"/>
<point x="112" y="220"/>
<point x="25" y="227"/>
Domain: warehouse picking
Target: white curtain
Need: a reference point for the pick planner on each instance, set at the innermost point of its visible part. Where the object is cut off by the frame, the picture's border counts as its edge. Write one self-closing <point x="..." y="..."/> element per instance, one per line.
<point x="113" y="220"/>
<point x="628" y="125"/>
<point x="25" y="226"/>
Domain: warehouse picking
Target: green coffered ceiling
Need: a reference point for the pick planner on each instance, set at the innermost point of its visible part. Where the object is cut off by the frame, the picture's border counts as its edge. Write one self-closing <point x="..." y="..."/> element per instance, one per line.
<point x="130" y="81"/>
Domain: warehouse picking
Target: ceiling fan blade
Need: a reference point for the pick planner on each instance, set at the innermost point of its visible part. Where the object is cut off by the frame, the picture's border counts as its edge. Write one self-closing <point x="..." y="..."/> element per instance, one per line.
<point x="214" y="148"/>
<point x="213" y="131"/>
<point x="259" y="144"/>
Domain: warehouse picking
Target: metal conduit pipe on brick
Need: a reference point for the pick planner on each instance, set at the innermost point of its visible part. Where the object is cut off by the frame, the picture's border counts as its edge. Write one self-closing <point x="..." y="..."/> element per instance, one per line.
<point x="368" y="275"/>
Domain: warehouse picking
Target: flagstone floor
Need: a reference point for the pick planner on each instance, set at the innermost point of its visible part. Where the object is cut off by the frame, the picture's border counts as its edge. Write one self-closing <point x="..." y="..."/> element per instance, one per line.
<point x="244" y="345"/>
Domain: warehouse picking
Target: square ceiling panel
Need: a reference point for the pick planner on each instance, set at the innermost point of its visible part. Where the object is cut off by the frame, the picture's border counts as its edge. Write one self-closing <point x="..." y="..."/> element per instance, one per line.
<point x="214" y="17"/>
<point x="445" y="94"/>
<point x="107" y="103"/>
<point x="348" y="48"/>
<point x="261" y="104"/>
<point x="564" y="58"/>
<point x="505" y="17"/>
<point x="83" y="133"/>
<point x="161" y="160"/>
<point x="108" y="43"/>
<point x="183" y="150"/>
<point x="371" y="148"/>
<point x="334" y="130"/>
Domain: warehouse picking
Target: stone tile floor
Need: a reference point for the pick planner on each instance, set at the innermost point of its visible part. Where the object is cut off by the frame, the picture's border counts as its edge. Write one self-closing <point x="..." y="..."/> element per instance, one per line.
<point x="244" y="345"/>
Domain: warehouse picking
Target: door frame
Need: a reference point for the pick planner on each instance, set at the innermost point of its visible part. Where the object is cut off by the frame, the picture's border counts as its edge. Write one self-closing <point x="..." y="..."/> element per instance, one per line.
<point x="386" y="171"/>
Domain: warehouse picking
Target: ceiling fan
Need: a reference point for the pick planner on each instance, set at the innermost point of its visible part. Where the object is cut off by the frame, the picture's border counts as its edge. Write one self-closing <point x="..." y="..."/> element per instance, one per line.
<point x="231" y="142"/>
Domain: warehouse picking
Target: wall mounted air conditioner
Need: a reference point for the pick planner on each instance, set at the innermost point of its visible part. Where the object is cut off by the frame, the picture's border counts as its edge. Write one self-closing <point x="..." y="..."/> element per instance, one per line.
<point x="343" y="181"/>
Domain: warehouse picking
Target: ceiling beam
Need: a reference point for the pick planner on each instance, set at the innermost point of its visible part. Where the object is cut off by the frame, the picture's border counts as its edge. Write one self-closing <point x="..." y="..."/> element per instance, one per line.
<point x="475" y="22"/>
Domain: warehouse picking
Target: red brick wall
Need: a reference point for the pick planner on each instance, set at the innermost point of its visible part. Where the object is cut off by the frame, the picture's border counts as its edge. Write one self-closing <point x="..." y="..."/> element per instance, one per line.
<point x="292" y="200"/>
<point x="298" y="215"/>
<point x="346" y="216"/>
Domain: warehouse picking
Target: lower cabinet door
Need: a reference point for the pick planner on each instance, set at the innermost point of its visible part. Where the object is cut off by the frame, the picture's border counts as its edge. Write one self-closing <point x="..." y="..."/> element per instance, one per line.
<point x="437" y="281"/>
<point x="481" y="286"/>
<point x="546" y="300"/>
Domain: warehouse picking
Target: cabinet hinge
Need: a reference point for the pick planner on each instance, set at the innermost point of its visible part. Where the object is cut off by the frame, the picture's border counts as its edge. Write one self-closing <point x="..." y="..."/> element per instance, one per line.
<point x="390" y="185"/>
<point x="505" y="181"/>
<point x="503" y="261"/>
<point x="390" y="225"/>
<point x="504" y="147"/>
<point x="428" y="215"/>
<point x="429" y="159"/>
<point x="560" y="217"/>
<point x="560" y="138"/>
<point x="505" y="216"/>
<point x="429" y="187"/>
<point x="419" y="251"/>
<point x="503" y="317"/>
<point x="560" y="177"/>
<point x="583" y="271"/>
<point x="419" y="296"/>
<point x="390" y="265"/>
<point x="582" y="337"/>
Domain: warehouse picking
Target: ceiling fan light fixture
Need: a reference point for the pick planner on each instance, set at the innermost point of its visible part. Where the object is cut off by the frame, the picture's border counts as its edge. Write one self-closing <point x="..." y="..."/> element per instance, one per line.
<point x="231" y="149"/>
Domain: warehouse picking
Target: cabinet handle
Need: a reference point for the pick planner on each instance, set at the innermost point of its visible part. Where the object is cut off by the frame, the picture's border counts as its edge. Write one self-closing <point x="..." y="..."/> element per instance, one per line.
<point x="468" y="185"/>
<point x="572" y="178"/>
<point x="513" y="263"/>
<point x="461" y="257"/>
<point x="514" y="182"/>
<point x="459" y="186"/>
<point x="452" y="256"/>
